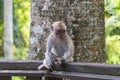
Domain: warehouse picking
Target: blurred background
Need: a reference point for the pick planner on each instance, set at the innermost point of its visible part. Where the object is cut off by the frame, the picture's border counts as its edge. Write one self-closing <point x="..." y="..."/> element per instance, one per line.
<point x="21" y="28"/>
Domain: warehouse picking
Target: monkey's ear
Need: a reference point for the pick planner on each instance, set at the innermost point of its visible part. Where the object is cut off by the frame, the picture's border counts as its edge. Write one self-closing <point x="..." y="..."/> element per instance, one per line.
<point x="52" y="28"/>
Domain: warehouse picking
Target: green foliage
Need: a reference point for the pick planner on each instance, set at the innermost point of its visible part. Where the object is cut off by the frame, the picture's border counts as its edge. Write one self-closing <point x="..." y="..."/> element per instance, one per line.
<point x="112" y="49"/>
<point x="18" y="78"/>
<point x="21" y="28"/>
<point x="112" y="24"/>
<point x="1" y="27"/>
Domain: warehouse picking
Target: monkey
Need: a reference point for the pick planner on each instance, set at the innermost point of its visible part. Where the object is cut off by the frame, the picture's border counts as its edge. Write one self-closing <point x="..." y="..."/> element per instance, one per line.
<point x="59" y="47"/>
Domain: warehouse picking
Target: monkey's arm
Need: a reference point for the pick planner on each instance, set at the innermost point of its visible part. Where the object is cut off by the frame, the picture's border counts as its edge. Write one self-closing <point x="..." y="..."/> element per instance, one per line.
<point x="68" y="54"/>
<point x="48" y="54"/>
<point x="49" y="46"/>
<point x="47" y="62"/>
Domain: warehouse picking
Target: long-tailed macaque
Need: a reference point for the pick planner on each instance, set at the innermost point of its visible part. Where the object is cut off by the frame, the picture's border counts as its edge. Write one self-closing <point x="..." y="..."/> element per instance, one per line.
<point x="59" y="47"/>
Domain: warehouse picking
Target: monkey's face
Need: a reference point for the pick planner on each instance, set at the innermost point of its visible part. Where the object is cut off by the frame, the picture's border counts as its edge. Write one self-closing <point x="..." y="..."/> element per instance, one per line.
<point x="59" y="29"/>
<point x="60" y="33"/>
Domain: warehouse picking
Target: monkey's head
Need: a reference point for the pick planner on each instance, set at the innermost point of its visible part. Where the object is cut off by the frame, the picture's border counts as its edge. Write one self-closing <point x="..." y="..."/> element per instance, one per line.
<point x="59" y="28"/>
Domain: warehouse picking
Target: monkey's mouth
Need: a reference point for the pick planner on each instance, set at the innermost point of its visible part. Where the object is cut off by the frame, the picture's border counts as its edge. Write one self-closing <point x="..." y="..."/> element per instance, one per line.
<point x="61" y="36"/>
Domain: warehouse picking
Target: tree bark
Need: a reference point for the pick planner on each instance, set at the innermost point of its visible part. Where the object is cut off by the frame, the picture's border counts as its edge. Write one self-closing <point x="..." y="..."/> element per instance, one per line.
<point x="85" y="22"/>
<point x="8" y="29"/>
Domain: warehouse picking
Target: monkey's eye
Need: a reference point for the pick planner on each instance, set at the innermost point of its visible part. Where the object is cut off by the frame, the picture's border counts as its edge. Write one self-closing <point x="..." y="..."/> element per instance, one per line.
<point x="61" y="31"/>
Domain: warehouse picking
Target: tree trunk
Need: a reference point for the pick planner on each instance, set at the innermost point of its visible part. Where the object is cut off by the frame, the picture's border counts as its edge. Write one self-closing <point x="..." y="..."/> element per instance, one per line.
<point x="85" y="22"/>
<point x="8" y="29"/>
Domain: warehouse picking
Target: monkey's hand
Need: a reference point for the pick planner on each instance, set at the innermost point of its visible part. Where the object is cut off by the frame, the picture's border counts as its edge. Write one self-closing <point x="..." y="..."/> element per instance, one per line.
<point x="59" y="60"/>
<point x="43" y="67"/>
